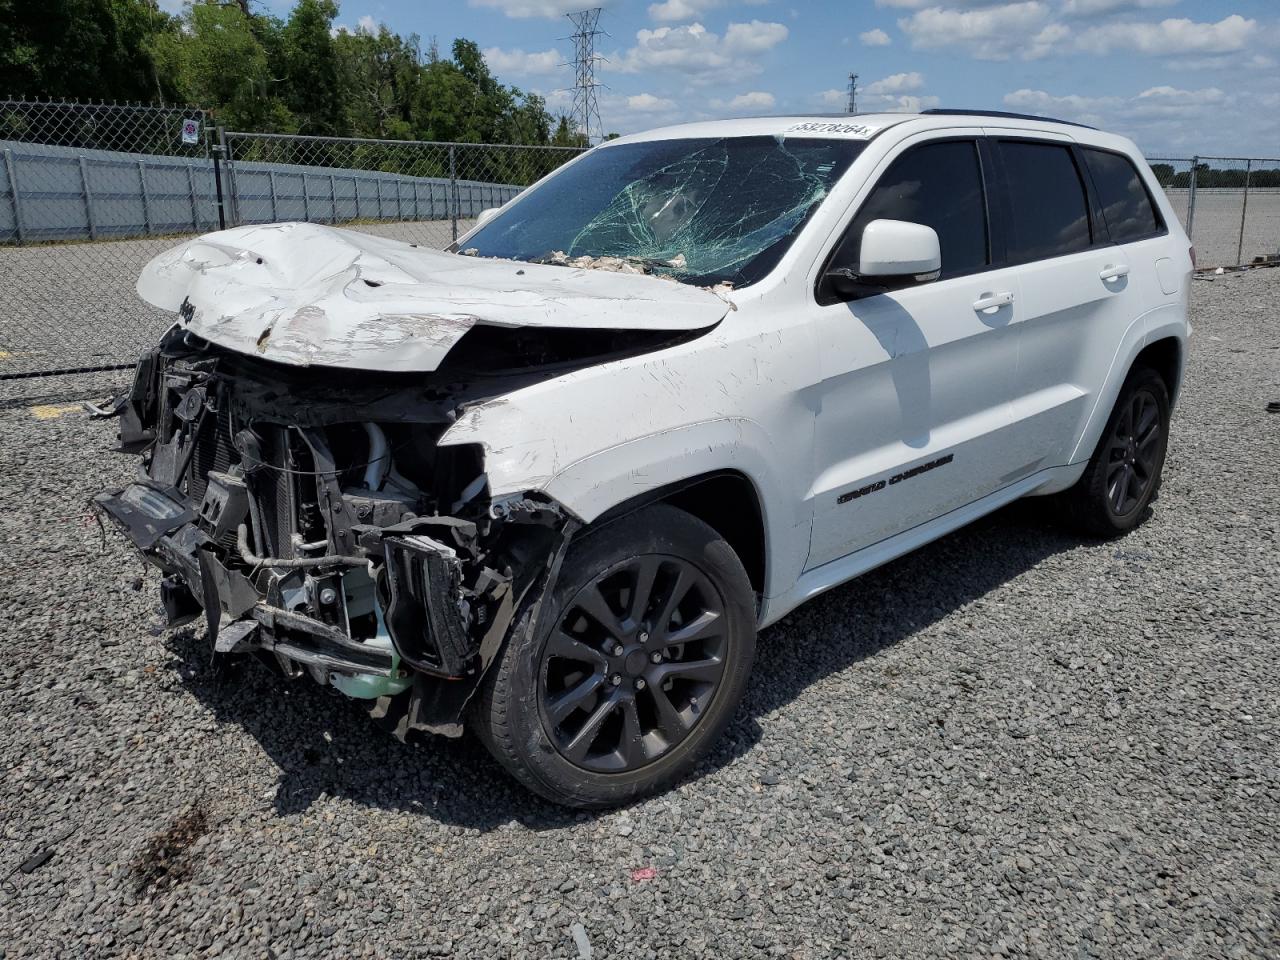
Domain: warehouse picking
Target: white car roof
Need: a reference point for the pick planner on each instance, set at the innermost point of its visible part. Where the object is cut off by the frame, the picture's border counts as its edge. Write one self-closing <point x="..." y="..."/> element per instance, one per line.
<point x="859" y="126"/>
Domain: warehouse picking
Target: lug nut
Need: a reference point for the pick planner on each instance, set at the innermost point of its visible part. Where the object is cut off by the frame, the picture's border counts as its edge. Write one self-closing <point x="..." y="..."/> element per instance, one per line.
<point x="644" y="637"/>
<point x="656" y="656"/>
<point x="328" y="596"/>
<point x="640" y="683"/>
<point x="616" y="679"/>
<point x="617" y="649"/>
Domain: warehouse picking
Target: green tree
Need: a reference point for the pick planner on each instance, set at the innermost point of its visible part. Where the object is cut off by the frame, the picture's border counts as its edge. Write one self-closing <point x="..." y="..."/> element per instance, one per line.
<point x="81" y="49"/>
<point x="220" y="60"/>
<point x="310" y="68"/>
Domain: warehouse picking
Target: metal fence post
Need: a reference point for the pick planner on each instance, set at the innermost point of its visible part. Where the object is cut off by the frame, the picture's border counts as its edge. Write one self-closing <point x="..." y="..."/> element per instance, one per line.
<point x="271" y="182"/>
<point x="1244" y="213"/>
<point x="333" y="199"/>
<point x="11" y="169"/>
<point x="1191" y="199"/>
<point x="146" y="203"/>
<point x="218" y="149"/>
<point x="88" y="199"/>
<point x="453" y="190"/>
<point x="306" y="200"/>
<point x="191" y="191"/>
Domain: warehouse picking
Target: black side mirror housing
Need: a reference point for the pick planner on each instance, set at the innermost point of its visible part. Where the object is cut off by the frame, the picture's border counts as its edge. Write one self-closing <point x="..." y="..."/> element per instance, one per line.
<point x="847" y="284"/>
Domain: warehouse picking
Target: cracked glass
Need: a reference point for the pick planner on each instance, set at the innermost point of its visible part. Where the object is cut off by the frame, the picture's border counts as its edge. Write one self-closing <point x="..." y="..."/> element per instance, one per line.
<point x="702" y="211"/>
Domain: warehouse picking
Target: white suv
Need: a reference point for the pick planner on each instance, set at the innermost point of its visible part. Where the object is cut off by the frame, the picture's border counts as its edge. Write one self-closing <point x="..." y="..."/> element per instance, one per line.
<point x="554" y="482"/>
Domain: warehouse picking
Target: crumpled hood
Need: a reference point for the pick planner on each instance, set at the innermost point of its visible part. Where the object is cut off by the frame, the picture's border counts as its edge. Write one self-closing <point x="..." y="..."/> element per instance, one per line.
<point x="306" y="294"/>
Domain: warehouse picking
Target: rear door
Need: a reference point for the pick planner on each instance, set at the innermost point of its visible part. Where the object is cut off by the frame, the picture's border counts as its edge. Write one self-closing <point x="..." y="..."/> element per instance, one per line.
<point x="914" y="401"/>
<point x="1078" y="295"/>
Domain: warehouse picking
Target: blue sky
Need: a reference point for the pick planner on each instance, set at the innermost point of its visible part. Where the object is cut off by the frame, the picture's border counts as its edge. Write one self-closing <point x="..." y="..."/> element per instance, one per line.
<point x="1179" y="76"/>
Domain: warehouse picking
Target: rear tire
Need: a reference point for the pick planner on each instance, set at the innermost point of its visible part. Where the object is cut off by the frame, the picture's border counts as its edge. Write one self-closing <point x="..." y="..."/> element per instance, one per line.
<point x="642" y="654"/>
<point x="1122" y="480"/>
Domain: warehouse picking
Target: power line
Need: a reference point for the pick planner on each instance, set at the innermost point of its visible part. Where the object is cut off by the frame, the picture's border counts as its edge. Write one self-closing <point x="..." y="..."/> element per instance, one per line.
<point x="586" y="109"/>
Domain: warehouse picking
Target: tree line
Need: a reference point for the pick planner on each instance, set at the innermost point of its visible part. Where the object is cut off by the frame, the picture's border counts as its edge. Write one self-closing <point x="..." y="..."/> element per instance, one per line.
<point x="1209" y="176"/>
<point x="258" y="72"/>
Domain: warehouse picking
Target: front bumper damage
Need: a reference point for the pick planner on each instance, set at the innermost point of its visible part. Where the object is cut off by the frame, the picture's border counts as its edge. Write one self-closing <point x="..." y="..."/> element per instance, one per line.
<point x="318" y="526"/>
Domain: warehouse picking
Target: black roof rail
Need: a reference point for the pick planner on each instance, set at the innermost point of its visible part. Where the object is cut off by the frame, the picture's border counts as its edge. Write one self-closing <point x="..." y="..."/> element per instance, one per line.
<point x="948" y="112"/>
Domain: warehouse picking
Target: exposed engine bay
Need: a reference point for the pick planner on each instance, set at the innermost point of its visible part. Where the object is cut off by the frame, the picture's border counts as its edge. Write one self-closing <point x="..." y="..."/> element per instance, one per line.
<point x="312" y="520"/>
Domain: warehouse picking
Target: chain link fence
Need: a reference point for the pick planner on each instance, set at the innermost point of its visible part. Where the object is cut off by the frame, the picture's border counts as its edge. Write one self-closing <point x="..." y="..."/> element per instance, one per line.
<point x="1229" y="206"/>
<point x="90" y="193"/>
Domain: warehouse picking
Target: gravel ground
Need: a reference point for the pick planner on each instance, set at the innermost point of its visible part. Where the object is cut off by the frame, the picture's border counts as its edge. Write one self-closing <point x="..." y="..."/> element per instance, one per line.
<point x="1011" y="742"/>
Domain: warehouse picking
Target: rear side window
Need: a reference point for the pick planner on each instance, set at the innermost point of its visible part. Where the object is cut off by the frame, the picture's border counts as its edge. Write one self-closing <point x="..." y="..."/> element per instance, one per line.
<point x="1048" y="213"/>
<point x="940" y="186"/>
<point x="1125" y="202"/>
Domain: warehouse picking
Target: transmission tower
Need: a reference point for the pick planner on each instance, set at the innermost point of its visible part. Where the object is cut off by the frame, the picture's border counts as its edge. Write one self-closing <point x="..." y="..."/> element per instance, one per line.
<point x="586" y="110"/>
<point x="853" y="94"/>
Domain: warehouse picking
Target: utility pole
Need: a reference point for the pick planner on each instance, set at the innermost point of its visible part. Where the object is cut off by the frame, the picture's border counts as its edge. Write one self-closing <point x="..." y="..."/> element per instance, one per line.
<point x="586" y="109"/>
<point x="852" y="106"/>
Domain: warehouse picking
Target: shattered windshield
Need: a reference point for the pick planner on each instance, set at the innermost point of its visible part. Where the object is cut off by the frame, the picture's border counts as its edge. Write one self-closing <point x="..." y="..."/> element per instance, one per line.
<point x="702" y="211"/>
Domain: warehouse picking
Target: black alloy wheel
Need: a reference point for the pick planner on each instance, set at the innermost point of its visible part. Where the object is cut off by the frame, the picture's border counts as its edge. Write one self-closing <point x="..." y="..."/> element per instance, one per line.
<point x="633" y="664"/>
<point x="1122" y="478"/>
<point x="617" y="682"/>
<point x="1133" y="458"/>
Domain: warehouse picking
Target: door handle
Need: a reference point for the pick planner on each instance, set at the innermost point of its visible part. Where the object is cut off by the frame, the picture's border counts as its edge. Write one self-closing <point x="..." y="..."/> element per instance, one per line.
<point x="1114" y="272"/>
<point x="991" y="301"/>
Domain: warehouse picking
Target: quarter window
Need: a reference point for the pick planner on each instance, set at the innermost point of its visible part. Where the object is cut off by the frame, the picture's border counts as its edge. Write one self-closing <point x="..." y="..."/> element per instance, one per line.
<point x="1125" y="202"/>
<point x="1048" y="213"/>
<point x="940" y="186"/>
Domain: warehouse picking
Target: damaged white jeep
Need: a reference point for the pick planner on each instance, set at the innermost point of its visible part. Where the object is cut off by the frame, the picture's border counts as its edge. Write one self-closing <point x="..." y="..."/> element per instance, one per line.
<point x="553" y="483"/>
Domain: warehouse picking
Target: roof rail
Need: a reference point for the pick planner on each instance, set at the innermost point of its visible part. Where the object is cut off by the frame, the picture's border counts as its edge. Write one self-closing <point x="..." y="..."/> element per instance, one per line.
<point x="948" y="112"/>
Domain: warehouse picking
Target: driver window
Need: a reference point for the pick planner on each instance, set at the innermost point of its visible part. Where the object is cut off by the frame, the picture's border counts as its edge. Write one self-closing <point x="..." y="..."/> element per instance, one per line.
<point x="940" y="186"/>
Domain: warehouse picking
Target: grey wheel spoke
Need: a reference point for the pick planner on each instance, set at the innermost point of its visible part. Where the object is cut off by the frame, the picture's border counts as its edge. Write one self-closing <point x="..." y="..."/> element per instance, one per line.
<point x="706" y="670"/>
<point x="566" y="647"/>
<point x="564" y="703"/>
<point x="577" y="748"/>
<point x="642" y="591"/>
<point x="704" y="625"/>
<point x="593" y="603"/>
<point x="672" y="600"/>
<point x="1117" y="490"/>
<point x="671" y="723"/>
<point x="1148" y="420"/>
<point x="632" y="747"/>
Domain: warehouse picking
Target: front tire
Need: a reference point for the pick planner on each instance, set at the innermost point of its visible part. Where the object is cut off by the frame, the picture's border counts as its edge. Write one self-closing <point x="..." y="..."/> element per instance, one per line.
<point x="641" y="657"/>
<point x="1122" y="479"/>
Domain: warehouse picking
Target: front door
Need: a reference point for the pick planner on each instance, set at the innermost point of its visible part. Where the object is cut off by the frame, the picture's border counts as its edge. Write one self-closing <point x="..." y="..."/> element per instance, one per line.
<point x="915" y="398"/>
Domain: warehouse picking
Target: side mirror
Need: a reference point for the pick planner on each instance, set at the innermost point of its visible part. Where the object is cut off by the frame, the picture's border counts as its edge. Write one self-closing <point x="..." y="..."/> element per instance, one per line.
<point x="486" y="215"/>
<point x="894" y="254"/>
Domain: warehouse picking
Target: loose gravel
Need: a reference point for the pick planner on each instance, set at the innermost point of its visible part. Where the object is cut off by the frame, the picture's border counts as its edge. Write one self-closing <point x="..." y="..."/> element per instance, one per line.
<point x="1011" y="743"/>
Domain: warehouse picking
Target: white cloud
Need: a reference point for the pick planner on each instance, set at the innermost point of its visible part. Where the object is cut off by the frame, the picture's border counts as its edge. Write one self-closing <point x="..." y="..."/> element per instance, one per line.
<point x="875" y="38"/>
<point x="834" y="98"/>
<point x="755" y="100"/>
<point x="673" y="11"/>
<point x="754" y="37"/>
<point x="1083" y="8"/>
<point x="988" y="33"/>
<point x="648" y="103"/>
<point x="523" y="9"/>
<point x="519" y="63"/>
<point x="896" y="93"/>
<point x="897" y="83"/>
<point x="367" y="24"/>
<point x="1170" y="36"/>
<point x="698" y="53"/>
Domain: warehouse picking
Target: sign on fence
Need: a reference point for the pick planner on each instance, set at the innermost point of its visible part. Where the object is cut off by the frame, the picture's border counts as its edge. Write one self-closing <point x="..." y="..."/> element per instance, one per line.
<point x="190" y="131"/>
